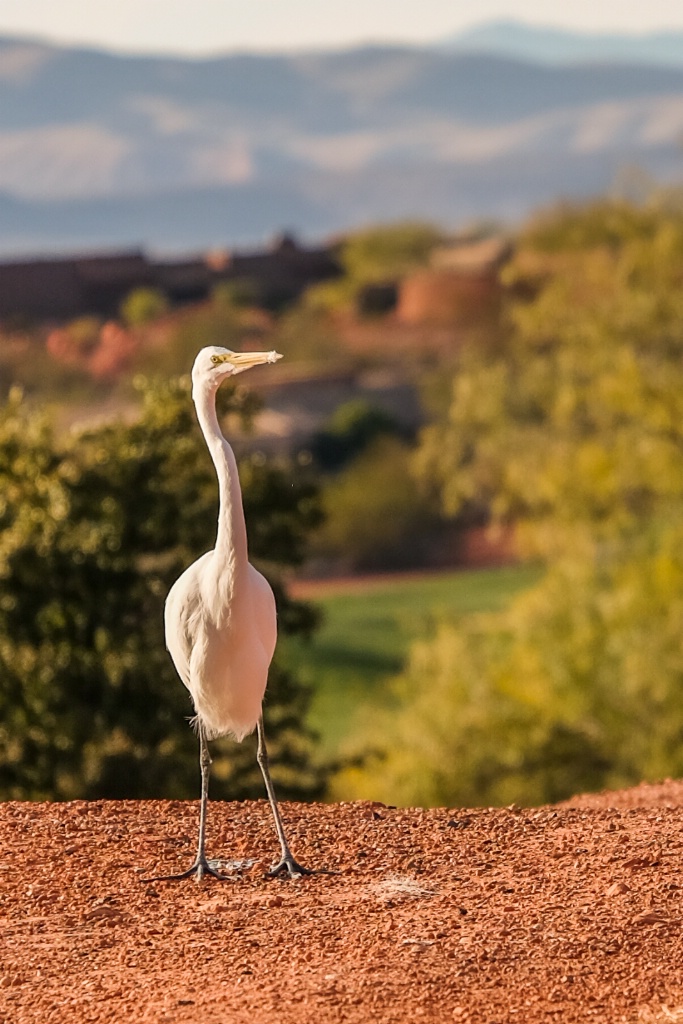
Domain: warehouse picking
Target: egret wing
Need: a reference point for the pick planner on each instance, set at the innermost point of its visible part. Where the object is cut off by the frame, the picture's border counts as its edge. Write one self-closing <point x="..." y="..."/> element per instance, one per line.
<point x="182" y="616"/>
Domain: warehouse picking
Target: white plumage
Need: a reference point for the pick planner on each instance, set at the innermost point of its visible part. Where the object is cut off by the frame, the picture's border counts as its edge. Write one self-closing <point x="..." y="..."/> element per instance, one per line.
<point x="222" y="645"/>
<point x="220" y="618"/>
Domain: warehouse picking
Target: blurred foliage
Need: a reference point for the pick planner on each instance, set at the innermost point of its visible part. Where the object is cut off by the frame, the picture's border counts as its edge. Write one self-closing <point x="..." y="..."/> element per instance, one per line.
<point x="376" y="255"/>
<point x="23" y="362"/>
<point x="376" y="517"/>
<point x="93" y="530"/>
<point x="575" y="434"/>
<point x="306" y="334"/>
<point x="217" y="322"/>
<point x="82" y="335"/>
<point x="577" y="686"/>
<point x="351" y="428"/>
<point x="612" y="224"/>
<point x="143" y="306"/>
<point x="387" y="252"/>
<point x="101" y="350"/>
<point x="234" y="294"/>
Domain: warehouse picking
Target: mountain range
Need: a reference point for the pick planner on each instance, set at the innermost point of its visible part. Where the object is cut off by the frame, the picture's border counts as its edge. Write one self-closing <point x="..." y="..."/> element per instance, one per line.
<point x="100" y="150"/>
<point x="548" y="45"/>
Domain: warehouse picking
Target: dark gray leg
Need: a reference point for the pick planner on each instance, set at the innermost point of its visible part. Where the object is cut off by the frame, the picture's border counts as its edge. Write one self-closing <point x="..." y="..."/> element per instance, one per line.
<point x="201" y="866"/>
<point x="286" y="862"/>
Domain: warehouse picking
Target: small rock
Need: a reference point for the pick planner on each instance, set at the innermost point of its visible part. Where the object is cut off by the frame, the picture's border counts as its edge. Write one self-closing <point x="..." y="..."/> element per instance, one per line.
<point x="370" y="814"/>
<point x="102" y="914"/>
<point x="652" y="916"/>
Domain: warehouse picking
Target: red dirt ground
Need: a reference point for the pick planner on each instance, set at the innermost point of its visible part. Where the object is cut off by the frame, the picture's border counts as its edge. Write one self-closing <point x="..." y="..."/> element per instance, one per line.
<point x="568" y="913"/>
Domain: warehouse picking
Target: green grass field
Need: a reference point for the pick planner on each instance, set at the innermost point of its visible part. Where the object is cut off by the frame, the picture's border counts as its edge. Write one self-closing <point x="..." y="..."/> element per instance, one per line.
<point x="367" y="632"/>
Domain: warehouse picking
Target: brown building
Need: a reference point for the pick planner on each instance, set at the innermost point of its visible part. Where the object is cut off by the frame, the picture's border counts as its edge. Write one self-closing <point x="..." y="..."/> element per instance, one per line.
<point x="461" y="284"/>
<point x="62" y="289"/>
<point x="281" y="273"/>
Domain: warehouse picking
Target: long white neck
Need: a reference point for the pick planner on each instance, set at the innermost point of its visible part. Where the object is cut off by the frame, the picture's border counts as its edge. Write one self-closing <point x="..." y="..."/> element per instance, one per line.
<point x="231" y="537"/>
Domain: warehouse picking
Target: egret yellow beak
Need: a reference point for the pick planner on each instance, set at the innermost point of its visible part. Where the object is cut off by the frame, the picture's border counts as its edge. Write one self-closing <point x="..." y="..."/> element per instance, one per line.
<point x="245" y="360"/>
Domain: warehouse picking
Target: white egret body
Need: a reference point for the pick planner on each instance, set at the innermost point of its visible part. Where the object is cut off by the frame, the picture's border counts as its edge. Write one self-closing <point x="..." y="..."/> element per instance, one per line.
<point x="220" y="618"/>
<point x="221" y="635"/>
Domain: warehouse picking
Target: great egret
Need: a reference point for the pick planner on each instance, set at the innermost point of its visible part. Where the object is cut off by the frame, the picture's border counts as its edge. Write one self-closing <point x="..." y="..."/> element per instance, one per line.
<point x="220" y="614"/>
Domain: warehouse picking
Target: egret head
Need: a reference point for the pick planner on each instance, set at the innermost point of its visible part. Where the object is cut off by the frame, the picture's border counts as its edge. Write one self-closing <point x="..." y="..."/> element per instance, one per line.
<point x="214" y="364"/>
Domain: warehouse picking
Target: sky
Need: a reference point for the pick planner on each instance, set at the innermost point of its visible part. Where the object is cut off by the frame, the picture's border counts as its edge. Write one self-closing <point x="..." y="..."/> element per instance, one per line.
<point x="199" y="27"/>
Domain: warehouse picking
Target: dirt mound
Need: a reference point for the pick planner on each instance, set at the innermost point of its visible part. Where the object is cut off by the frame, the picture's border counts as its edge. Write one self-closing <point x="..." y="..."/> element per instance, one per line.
<point x="567" y="913"/>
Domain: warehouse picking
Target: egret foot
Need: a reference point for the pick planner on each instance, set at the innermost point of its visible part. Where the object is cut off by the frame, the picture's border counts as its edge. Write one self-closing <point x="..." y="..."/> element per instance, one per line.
<point x="200" y="868"/>
<point x="289" y="866"/>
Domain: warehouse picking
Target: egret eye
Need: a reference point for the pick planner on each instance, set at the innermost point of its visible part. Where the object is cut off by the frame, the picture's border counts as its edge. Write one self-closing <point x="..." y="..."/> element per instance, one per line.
<point x="215" y="360"/>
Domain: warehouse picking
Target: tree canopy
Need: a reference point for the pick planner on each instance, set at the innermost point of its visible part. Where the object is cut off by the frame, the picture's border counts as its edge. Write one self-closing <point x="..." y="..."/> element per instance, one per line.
<point x="574" y="434"/>
<point x="377" y="255"/>
<point x="93" y="530"/>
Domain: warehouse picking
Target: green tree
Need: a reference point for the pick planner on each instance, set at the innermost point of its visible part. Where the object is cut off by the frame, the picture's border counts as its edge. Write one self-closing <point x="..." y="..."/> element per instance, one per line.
<point x="376" y="515"/>
<point x="388" y="251"/>
<point x="377" y="255"/>
<point x="351" y="428"/>
<point x="93" y="530"/>
<point x="143" y="306"/>
<point x="575" y="435"/>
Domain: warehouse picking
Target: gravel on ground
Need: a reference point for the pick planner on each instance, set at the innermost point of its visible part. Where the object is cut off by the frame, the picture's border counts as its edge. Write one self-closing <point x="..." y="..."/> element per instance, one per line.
<point x="564" y="913"/>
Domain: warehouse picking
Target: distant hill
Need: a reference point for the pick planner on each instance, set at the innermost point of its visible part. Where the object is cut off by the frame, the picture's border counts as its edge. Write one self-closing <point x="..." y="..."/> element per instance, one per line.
<point x="98" y="149"/>
<point x="557" y="46"/>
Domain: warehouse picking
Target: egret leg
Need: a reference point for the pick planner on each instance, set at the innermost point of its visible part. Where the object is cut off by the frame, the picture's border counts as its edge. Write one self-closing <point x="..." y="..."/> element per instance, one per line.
<point x="201" y="866"/>
<point x="286" y="862"/>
